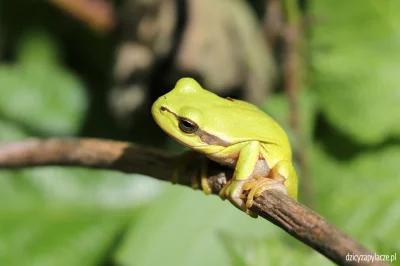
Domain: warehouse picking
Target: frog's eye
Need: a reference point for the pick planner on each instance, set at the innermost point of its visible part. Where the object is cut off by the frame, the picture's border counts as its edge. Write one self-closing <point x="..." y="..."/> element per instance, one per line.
<point x="187" y="125"/>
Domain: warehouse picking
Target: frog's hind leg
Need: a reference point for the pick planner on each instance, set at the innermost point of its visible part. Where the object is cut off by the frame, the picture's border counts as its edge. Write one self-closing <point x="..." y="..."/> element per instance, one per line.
<point x="275" y="180"/>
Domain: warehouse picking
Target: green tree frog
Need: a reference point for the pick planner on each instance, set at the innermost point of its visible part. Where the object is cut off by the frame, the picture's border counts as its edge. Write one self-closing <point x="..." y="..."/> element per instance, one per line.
<point x="233" y="133"/>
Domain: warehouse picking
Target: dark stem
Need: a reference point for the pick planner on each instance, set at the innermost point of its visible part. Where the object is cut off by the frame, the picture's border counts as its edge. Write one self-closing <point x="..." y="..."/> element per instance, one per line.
<point x="292" y="81"/>
<point x="296" y="219"/>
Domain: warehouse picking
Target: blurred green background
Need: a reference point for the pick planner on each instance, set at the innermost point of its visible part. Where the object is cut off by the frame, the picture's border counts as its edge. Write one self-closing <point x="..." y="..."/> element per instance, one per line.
<point x="65" y="74"/>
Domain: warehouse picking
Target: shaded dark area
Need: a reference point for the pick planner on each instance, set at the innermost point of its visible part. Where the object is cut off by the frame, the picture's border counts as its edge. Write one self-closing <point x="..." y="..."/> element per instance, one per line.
<point x="340" y="145"/>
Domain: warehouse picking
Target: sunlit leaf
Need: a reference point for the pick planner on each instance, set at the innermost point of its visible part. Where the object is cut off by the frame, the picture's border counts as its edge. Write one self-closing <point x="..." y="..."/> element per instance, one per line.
<point x="356" y="66"/>
<point x="182" y="227"/>
<point x="60" y="237"/>
<point x="361" y="195"/>
<point x="38" y="92"/>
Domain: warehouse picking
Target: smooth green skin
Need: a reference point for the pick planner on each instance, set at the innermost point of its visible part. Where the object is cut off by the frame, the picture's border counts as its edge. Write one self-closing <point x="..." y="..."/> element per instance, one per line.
<point x="246" y="136"/>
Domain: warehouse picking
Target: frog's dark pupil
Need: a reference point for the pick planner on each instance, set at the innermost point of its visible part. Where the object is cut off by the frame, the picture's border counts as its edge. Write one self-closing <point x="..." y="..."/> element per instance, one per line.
<point x="187" y="126"/>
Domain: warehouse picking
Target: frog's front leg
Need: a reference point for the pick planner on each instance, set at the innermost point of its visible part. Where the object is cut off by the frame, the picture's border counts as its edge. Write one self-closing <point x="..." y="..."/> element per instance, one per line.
<point x="233" y="190"/>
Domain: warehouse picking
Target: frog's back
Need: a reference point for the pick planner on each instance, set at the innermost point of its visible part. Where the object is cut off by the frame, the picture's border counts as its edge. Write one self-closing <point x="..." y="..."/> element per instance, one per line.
<point x="231" y="120"/>
<point x="246" y="122"/>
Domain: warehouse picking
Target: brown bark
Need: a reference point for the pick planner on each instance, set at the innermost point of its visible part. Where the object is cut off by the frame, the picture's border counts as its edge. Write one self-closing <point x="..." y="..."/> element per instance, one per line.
<point x="296" y="219"/>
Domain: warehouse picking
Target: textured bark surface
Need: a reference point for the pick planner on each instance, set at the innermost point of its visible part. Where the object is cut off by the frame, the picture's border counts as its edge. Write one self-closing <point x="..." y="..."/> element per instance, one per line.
<point x="296" y="219"/>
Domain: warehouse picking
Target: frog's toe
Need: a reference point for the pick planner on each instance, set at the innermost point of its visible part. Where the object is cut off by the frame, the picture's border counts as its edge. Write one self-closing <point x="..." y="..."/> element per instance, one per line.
<point x="258" y="186"/>
<point x="222" y="192"/>
<point x="233" y="191"/>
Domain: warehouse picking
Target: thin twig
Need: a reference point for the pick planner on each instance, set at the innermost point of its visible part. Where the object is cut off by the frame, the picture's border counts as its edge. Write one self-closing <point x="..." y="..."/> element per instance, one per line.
<point x="296" y="219"/>
<point x="292" y="82"/>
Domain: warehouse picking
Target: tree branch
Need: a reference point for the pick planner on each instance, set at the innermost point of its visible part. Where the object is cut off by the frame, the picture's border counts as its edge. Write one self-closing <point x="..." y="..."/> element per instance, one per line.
<point x="296" y="219"/>
<point x="292" y="74"/>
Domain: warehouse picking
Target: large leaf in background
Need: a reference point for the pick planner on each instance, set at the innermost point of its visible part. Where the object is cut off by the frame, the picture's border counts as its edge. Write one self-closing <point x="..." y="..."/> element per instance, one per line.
<point x="58" y="237"/>
<point x="271" y="251"/>
<point x="55" y="215"/>
<point x="356" y="63"/>
<point x="183" y="227"/>
<point x="361" y="195"/>
<point x="60" y="216"/>
<point x="38" y="92"/>
<point x="278" y="107"/>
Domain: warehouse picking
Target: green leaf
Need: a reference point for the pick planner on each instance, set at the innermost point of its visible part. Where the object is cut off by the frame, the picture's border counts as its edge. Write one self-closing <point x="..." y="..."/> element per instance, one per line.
<point x="56" y="215"/>
<point x="356" y="66"/>
<point x="182" y="227"/>
<point x="60" y="237"/>
<point x="360" y="195"/>
<point x="59" y="216"/>
<point x="38" y="92"/>
<point x="270" y="251"/>
<point x="278" y="107"/>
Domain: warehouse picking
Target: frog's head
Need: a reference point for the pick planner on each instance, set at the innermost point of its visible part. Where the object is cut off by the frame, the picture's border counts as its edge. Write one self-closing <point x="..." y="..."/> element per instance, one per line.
<point x="183" y="114"/>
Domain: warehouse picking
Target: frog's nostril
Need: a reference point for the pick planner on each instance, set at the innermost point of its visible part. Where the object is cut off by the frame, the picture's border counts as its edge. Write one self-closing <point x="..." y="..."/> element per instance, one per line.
<point x="163" y="109"/>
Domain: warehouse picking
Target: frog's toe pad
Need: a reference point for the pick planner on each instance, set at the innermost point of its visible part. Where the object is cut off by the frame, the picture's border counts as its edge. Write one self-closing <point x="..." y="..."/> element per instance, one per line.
<point x="223" y="192"/>
<point x="258" y="186"/>
<point x="233" y="192"/>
